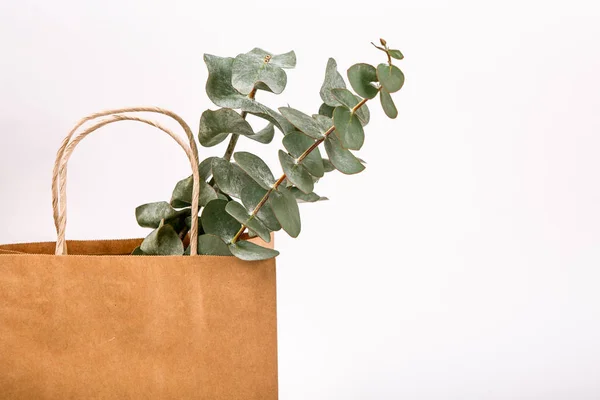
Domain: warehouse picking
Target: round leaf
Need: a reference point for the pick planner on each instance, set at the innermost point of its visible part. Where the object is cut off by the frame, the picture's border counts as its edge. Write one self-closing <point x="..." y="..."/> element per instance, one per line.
<point x="256" y="168"/>
<point x="249" y="251"/>
<point x="251" y="196"/>
<point x="212" y="245"/>
<point x="230" y="178"/>
<point x="348" y="99"/>
<point x="296" y="173"/>
<point x="182" y="194"/>
<point x="215" y="126"/>
<point x="361" y="77"/>
<point x="348" y="128"/>
<point x="150" y="215"/>
<point x="388" y="104"/>
<point x="326" y="110"/>
<point x="390" y="77"/>
<point x="333" y="79"/>
<point x="306" y="198"/>
<point x="396" y="54"/>
<point x="217" y="221"/>
<point x="286" y="210"/>
<point x="163" y="241"/>
<point x="302" y="122"/>
<point x="342" y="159"/>
<point x="297" y="143"/>
<point x="237" y="211"/>
<point x="256" y="69"/>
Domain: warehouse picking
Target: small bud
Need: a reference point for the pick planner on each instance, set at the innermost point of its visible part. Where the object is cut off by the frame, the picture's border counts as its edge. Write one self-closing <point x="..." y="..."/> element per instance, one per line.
<point x="383" y="42"/>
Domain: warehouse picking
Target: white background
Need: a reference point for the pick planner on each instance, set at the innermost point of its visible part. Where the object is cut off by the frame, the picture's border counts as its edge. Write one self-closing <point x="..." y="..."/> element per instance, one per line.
<point x="464" y="262"/>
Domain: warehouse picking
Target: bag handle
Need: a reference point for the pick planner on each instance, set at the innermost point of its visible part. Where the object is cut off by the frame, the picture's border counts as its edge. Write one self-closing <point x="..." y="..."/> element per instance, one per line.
<point x="59" y="181"/>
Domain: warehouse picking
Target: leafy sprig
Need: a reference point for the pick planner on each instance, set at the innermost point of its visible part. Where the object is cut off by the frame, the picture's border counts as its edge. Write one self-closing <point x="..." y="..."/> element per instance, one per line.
<point x="241" y="199"/>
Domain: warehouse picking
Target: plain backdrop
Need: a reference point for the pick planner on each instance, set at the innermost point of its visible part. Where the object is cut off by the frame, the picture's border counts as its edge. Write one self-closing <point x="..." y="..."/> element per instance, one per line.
<point x="464" y="263"/>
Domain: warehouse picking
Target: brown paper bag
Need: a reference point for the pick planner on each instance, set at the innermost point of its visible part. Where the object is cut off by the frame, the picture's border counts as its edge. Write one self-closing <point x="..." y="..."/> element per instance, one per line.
<point x="101" y="324"/>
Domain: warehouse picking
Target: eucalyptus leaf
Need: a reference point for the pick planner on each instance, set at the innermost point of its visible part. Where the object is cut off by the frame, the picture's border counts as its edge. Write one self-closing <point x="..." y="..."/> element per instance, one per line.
<point x="230" y="178"/>
<point x="327" y="165"/>
<point x="302" y="122"/>
<point x="348" y="128"/>
<point x="255" y="68"/>
<point x="137" y="252"/>
<point x="296" y="173"/>
<point x="251" y="197"/>
<point x="286" y="60"/>
<point x="343" y="159"/>
<point x="333" y="80"/>
<point x="325" y="123"/>
<point x="212" y="245"/>
<point x="163" y="241"/>
<point x="306" y="197"/>
<point x="237" y="211"/>
<point x="249" y="251"/>
<point x="326" y="110"/>
<point x="388" y="104"/>
<point x="348" y="99"/>
<point x="221" y="92"/>
<point x="265" y="135"/>
<point x="361" y="77"/>
<point x="182" y="194"/>
<point x="396" y="54"/>
<point x="286" y="210"/>
<point x="150" y="215"/>
<point x="215" y="126"/>
<point x="205" y="168"/>
<point x="390" y="77"/>
<point x="297" y="143"/>
<point x="256" y="168"/>
<point x="217" y="221"/>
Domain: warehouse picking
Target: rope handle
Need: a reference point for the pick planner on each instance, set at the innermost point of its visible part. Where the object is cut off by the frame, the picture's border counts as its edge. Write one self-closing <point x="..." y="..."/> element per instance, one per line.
<point x="59" y="181"/>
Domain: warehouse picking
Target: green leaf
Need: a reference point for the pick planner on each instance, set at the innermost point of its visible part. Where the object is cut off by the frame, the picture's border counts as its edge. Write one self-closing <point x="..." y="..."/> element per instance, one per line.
<point x="388" y="104"/>
<point x="217" y="221"/>
<point x="249" y="251"/>
<point x="328" y="165"/>
<point x="255" y="168"/>
<point x="251" y="196"/>
<point x="205" y="168"/>
<point x="137" y="252"/>
<point x="297" y="143"/>
<point x="230" y="178"/>
<point x="333" y="80"/>
<point x="286" y="210"/>
<point x="296" y="173"/>
<point x="215" y="126"/>
<point x="361" y="77"/>
<point x="182" y="194"/>
<point x="212" y="245"/>
<point x="256" y="68"/>
<point x="302" y="122"/>
<point x="163" y="241"/>
<point x="343" y="159"/>
<point x="286" y="60"/>
<point x="326" y="110"/>
<point x="221" y="92"/>
<point x="348" y="99"/>
<point x="237" y="211"/>
<point x="179" y="221"/>
<point x="390" y="77"/>
<point x="306" y="197"/>
<point x="150" y="215"/>
<point x="348" y="128"/>
<point x="396" y="54"/>
<point x="265" y="135"/>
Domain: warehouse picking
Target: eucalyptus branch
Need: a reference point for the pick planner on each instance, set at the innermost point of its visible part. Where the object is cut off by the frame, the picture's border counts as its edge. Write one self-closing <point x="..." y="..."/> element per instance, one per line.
<point x="235" y="137"/>
<point x="284" y="176"/>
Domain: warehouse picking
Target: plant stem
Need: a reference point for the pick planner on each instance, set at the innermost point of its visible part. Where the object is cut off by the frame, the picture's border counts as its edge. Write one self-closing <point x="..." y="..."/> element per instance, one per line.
<point x="234" y="138"/>
<point x="284" y="176"/>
